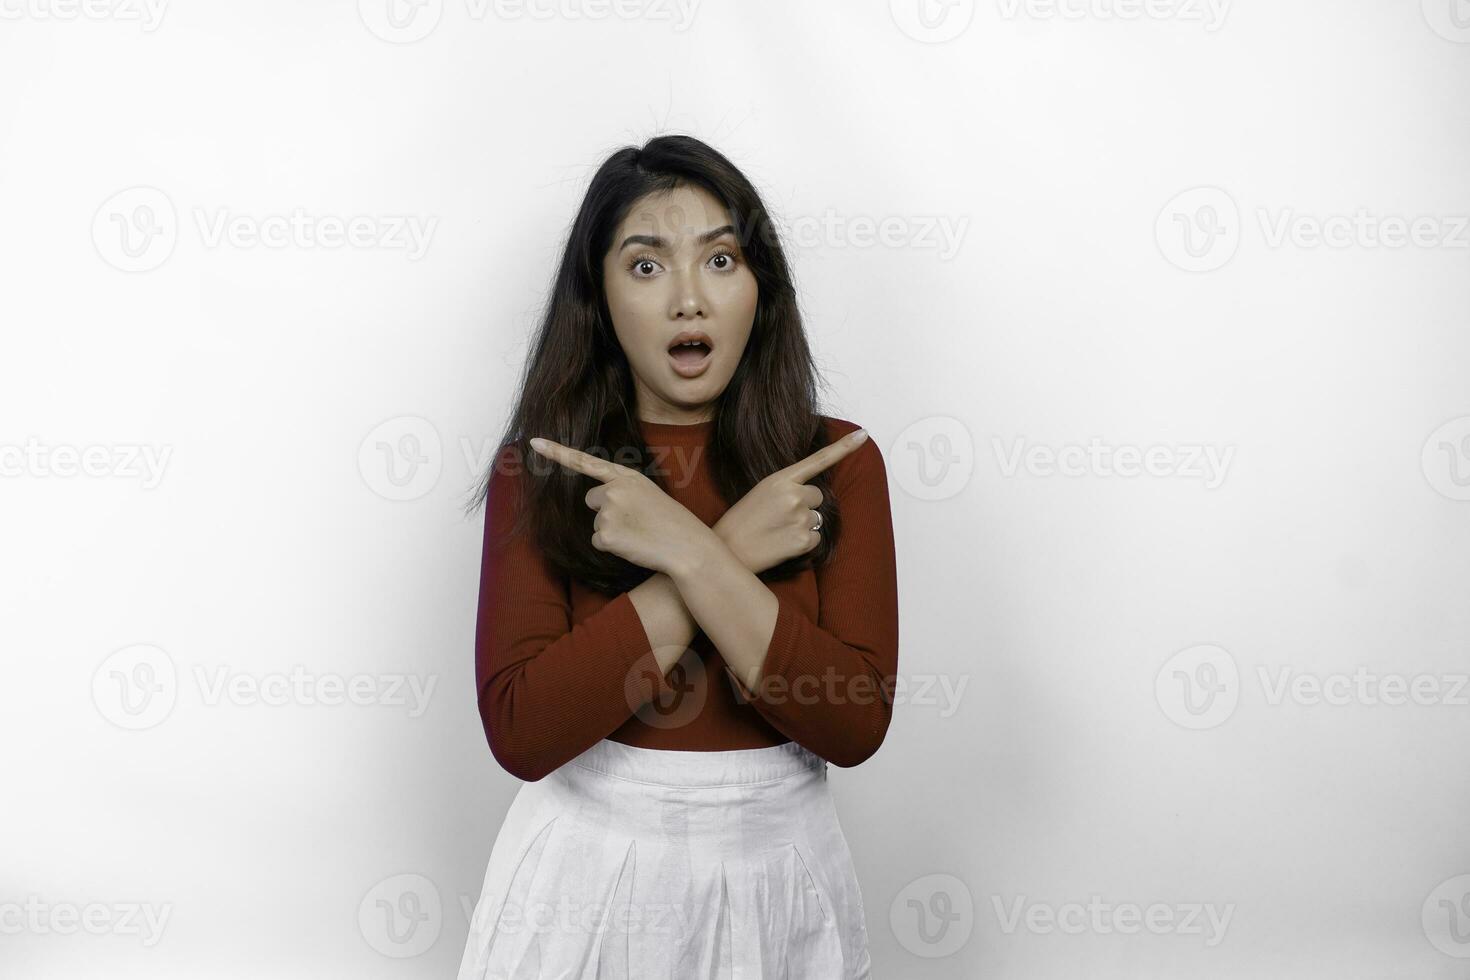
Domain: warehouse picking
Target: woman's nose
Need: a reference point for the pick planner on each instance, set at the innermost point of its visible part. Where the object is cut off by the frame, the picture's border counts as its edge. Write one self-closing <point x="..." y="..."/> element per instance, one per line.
<point x="689" y="299"/>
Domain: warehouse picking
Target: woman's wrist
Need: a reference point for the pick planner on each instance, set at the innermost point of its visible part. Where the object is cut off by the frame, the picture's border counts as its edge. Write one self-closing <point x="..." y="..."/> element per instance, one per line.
<point x="725" y="538"/>
<point x="704" y="551"/>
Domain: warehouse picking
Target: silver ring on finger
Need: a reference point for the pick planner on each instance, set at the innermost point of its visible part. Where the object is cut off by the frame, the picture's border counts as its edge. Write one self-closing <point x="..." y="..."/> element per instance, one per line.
<point x="817" y="526"/>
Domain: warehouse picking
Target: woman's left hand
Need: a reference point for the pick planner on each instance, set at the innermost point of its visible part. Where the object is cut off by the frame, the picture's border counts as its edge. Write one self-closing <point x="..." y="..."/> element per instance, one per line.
<point x="635" y="518"/>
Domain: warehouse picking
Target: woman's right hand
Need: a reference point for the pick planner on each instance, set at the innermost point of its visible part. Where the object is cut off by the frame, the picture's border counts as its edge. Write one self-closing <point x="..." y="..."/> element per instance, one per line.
<point x="773" y="522"/>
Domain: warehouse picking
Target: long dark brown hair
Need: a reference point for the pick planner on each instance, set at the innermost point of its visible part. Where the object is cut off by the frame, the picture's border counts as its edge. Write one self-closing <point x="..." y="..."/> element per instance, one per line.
<point x="577" y="387"/>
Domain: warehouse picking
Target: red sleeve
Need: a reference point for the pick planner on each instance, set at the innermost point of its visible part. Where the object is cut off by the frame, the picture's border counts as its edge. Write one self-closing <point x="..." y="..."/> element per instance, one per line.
<point x="548" y="690"/>
<point x="828" y="685"/>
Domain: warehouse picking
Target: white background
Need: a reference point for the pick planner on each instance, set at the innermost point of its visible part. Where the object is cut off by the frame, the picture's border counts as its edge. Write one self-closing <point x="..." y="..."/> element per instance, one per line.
<point x="1116" y="188"/>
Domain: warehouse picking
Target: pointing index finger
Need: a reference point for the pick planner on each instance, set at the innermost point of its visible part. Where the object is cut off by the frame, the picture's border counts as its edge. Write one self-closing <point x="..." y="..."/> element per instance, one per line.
<point x="803" y="470"/>
<point x="576" y="459"/>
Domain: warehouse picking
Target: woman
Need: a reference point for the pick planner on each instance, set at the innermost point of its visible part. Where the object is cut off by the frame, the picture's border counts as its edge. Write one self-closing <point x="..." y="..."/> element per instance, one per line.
<point x="688" y="606"/>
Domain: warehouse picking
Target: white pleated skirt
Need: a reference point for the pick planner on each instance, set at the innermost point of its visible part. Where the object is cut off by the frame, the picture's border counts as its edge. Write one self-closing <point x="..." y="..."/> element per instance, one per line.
<point x="645" y="864"/>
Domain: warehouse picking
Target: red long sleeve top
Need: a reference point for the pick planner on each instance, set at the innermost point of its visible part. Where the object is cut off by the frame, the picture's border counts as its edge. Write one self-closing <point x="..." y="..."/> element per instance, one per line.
<point x="560" y="667"/>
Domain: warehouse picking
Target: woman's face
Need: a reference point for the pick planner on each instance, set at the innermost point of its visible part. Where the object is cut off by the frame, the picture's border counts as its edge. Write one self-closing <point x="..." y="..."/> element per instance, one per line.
<point x="676" y="268"/>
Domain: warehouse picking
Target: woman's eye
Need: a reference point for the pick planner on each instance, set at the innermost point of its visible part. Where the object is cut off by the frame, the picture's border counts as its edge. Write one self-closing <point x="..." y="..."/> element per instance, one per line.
<point x="724" y="260"/>
<point x="642" y="268"/>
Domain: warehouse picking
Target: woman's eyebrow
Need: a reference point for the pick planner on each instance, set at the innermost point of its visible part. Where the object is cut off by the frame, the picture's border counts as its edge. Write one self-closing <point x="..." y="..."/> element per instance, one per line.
<point x="659" y="243"/>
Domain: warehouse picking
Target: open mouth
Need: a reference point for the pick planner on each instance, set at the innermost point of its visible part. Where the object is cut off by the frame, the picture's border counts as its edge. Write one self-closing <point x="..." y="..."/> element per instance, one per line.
<point x="690" y="353"/>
